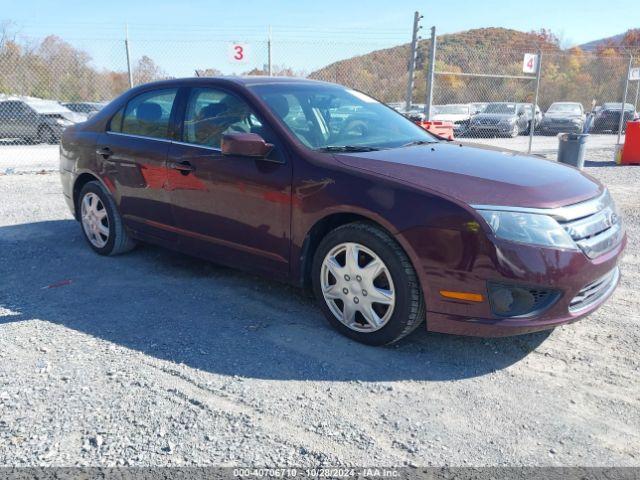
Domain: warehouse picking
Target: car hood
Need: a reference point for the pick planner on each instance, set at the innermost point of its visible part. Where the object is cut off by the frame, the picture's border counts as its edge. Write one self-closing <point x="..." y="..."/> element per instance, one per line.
<point x="450" y="117"/>
<point x="562" y="116"/>
<point x="480" y="174"/>
<point x="501" y="116"/>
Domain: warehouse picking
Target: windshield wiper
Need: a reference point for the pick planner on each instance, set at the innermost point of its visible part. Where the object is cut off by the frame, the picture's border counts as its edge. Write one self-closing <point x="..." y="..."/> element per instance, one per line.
<point x="419" y="142"/>
<point x="347" y="148"/>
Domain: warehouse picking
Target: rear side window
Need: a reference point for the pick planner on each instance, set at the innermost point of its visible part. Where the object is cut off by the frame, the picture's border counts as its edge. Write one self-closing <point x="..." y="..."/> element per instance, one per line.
<point x="115" y="125"/>
<point x="148" y="114"/>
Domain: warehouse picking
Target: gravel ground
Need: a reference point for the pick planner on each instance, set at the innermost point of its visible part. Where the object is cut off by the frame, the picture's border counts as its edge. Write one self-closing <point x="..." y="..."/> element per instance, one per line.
<point x="155" y="358"/>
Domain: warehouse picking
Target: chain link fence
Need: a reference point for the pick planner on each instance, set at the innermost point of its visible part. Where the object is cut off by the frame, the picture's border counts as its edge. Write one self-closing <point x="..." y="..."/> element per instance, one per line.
<point x="46" y="85"/>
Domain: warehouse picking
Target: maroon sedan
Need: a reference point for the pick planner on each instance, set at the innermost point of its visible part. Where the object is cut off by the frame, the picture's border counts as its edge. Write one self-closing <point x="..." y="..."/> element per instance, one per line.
<point x="324" y="187"/>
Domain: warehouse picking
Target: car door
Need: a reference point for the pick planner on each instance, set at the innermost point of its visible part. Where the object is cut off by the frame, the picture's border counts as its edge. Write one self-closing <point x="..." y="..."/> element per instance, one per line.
<point x="133" y="153"/>
<point x="5" y="111"/>
<point x="233" y="210"/>
<point x="524" y="118"/>
<point x="26" y="121"/>
<point x="10" y="119"/>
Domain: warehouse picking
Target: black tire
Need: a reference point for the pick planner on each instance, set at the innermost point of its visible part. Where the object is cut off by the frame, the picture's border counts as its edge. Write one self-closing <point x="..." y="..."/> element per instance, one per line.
<point x="409" y="309"/>
<point x="118" y="240"/>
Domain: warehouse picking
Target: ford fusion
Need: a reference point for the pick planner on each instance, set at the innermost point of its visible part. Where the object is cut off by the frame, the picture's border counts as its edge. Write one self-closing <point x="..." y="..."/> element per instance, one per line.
<point x="324" y="187"/>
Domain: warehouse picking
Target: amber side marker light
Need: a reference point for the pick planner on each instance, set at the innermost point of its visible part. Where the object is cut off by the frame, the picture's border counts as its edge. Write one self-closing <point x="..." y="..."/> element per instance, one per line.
<point x="469" y="297"/>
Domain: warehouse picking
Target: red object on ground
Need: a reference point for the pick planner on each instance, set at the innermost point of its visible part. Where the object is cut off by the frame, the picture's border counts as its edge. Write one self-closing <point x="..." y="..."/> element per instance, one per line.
<point x="631" y="149"/>
<point x="442" y="129"/>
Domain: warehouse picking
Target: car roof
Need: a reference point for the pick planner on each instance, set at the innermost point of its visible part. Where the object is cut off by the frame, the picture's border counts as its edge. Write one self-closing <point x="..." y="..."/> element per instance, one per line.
<point x="246" y="81"/>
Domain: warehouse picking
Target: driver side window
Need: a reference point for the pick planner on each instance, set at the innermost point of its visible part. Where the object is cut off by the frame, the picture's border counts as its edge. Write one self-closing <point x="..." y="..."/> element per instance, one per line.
<point x="211" y="113"/>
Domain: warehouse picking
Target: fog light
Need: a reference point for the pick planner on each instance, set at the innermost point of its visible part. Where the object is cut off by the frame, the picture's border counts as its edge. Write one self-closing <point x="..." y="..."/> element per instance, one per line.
<point x="519" y="301"/>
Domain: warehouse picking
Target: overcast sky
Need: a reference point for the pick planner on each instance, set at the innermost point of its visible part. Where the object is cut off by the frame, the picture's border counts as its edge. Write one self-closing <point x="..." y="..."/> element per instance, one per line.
<point x="183" y="35"/>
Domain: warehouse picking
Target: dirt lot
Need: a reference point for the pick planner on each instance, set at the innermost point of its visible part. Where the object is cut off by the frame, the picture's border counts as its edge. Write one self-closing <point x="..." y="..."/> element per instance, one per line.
<point x="155" y="358"/>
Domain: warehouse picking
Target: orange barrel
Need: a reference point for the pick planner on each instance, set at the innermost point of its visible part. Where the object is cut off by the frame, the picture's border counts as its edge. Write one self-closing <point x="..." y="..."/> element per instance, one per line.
<point x="442" y="129"/>
<point x="631" y="148"/>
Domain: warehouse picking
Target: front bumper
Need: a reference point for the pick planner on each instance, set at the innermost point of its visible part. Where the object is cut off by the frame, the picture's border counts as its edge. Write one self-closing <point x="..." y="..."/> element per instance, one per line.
<point x="470" y="263"/>
<point x="496" y="129"/>
<point x="560" y="128"/>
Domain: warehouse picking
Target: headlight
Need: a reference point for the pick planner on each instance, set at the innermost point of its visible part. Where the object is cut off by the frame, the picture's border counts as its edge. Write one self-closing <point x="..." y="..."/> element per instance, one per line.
<point x="529" y="228"/>
<point x="63" y="122"/>
<point x="508" y="121"/>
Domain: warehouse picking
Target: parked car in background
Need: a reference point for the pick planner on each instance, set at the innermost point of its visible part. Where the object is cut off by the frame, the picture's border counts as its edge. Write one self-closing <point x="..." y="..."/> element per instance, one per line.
<point x="500" y="118"/>
<point x="457" y="113"/>
<point x="607" y="117"/>
<point x="35" y="120"/>
<point x="387" y="224"/>
<point x="563" y="117"/>
<point x="537" y="118"/>
<point x="87" y="108"/>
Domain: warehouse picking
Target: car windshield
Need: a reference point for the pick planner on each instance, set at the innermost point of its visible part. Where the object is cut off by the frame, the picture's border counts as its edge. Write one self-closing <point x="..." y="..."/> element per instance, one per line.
<point x="453" y="110"/>
<point x="504" y="108"/>
<point x="617" y="106"/>
<point x="330" y="117"/>
<point x="569" y="108"/>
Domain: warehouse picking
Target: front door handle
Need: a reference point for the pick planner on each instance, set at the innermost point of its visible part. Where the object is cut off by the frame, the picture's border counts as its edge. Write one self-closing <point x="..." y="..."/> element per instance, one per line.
<point x="105" y="152"/>
<point x="184" y="168"/>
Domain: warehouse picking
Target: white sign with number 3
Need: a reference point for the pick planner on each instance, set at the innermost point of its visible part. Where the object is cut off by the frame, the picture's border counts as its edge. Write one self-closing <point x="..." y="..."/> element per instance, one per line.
<point x="238" y="52"/>
<point x="530" y="64"/>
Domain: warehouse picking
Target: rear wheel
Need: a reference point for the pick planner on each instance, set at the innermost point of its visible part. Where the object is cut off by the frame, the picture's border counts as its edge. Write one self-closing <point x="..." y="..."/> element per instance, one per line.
<point x="366" y="286"/>
<point x="101" y="222"/>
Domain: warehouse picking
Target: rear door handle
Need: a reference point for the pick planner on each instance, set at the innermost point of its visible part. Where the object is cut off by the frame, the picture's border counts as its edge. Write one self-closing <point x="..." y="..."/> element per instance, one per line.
<point x="105" y="152"/>
<point x="183" y="167"/>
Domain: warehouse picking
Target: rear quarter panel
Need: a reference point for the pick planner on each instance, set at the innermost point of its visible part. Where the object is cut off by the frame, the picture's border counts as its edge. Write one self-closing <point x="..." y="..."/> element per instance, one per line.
<point x="77" y="156"/>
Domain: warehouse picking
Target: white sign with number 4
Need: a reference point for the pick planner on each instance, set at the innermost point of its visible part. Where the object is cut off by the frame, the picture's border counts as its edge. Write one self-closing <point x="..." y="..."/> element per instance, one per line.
<point x="238" y="52"/>
<point x="530" y="64"/>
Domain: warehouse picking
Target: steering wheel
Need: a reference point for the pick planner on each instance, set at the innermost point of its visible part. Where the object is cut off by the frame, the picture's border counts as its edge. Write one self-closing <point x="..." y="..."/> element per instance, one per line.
<point x="354" y="128"/>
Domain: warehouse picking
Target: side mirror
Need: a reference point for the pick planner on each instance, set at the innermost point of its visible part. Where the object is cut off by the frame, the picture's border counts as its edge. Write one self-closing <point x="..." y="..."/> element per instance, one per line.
<point x="245" y="145"/>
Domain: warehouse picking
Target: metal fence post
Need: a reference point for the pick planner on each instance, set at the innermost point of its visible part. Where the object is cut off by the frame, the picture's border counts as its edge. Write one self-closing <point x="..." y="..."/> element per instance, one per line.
<point x="637" y="94"/>
<point x="431" y="76"/>
<point x="412" y="59"/>
<point x="269" y="66"/>
<point x="126" y="47"/>
<point x="532" y="127"/>
<point x="624" y="99"/>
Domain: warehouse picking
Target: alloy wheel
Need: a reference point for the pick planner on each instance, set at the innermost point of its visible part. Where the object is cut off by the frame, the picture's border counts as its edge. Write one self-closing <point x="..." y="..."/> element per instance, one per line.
<point x="357" y="287"/>
<point x="95" y="220"/>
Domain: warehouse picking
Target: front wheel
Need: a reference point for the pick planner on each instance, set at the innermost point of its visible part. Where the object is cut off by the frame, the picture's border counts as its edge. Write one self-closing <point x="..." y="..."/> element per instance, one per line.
<point x="515" y="131"/>
<point x="366" y="286"/>
<point x="101" y="222"/>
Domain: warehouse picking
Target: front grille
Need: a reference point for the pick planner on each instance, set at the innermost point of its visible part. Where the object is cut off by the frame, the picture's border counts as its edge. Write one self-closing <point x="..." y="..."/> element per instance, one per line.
<point x="594" y="225"/>
<point x="489" y="121"/>
<point x="595" y="291"/>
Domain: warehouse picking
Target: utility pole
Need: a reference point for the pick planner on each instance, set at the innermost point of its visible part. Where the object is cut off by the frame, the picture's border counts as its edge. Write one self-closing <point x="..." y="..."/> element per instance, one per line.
<point x="126" y="47"/>
<point x="431" y="75"/>
<point x="412" y="58"/>
<point x="532" y="127"/>
<point x="269" y="66"/>
<point x="624" y="99"/>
